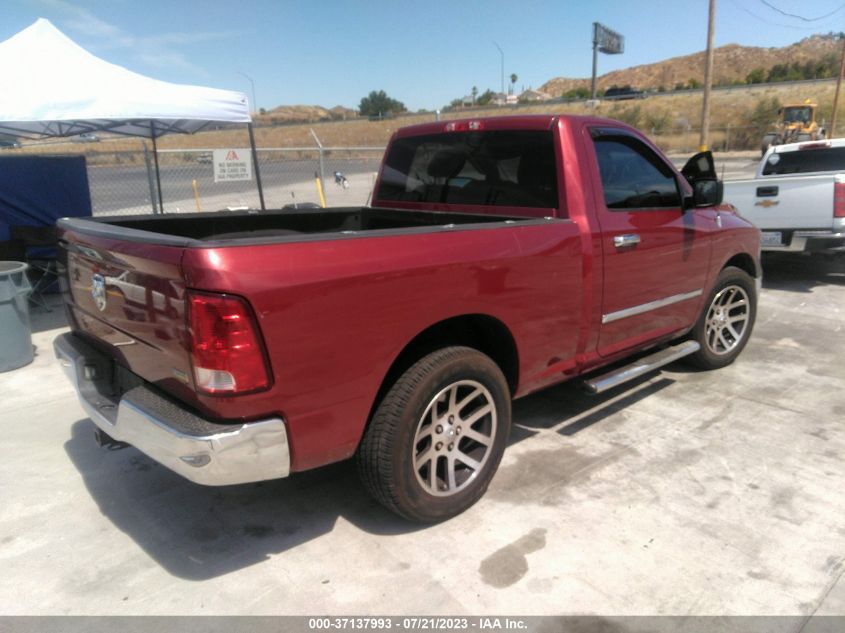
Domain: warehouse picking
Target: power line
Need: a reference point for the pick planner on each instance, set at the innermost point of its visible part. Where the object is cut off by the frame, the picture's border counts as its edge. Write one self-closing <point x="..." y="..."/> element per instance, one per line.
<point x="757" y="17"/>
<point x="801" y="17"/>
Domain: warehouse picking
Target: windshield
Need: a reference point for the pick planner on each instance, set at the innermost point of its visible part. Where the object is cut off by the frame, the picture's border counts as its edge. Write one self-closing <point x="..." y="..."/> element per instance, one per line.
<point x="797" y="115"/>
<point x="493" y="168"/>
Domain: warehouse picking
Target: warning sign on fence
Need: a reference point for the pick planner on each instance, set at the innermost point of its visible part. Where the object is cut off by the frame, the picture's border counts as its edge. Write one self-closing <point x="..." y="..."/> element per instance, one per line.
<point x="232" y="164"/>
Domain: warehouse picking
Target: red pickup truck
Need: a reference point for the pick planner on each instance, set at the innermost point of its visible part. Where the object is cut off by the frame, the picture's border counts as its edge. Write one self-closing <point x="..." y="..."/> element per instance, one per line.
<point x="499" y="256"/>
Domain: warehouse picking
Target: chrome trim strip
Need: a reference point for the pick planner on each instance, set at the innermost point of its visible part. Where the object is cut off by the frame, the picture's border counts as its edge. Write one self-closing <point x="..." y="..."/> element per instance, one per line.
<point x="820" y="234"/>
<point x="648" y="307"/>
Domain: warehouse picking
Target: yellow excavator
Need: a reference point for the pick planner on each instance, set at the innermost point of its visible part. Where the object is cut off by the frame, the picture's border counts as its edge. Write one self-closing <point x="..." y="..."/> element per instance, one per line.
<point x="796" y="123"/>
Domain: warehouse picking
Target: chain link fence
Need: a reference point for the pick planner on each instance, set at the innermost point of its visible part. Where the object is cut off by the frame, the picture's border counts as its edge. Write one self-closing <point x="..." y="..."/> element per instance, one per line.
<point x="124" y="183"/>
<point x="733" y="138"/>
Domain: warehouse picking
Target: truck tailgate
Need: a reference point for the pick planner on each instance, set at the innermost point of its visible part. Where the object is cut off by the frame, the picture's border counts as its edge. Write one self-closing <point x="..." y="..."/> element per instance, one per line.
<point x="129" y="298"/>
<point x="784" y="202"/>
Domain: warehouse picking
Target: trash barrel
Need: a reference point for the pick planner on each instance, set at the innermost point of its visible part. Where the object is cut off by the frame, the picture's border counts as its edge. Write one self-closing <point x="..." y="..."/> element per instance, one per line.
<point x="15" y="332"/>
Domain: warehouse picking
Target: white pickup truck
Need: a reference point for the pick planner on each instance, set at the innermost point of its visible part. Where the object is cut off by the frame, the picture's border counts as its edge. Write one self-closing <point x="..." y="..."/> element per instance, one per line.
<point x="797" y="197"/>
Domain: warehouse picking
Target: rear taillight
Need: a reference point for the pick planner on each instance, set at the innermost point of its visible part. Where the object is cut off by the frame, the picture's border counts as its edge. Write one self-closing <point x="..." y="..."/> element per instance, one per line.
<point x="839" y="199"/>
<point x="464" y="126"/>
<point x="816" y="145"/>
<point x="226" y="348"/>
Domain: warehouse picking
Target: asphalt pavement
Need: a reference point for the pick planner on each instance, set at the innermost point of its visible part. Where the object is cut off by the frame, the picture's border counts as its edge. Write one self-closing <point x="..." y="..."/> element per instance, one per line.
<point x="120" y="189"/>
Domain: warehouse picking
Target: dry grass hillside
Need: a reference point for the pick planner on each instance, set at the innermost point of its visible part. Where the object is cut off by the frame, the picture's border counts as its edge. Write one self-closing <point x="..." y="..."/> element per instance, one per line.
<point x="304" y="114"/>
<point x="732" y="63"/>
<point x="671" y="120"/>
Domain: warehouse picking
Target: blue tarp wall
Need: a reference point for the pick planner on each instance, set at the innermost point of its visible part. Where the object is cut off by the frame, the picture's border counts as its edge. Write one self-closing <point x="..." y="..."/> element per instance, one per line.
<point x="35" y="191"/>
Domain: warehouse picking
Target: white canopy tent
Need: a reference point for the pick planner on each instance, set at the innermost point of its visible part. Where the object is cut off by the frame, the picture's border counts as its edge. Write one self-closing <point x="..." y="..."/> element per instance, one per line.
<point x="54" y="87"/>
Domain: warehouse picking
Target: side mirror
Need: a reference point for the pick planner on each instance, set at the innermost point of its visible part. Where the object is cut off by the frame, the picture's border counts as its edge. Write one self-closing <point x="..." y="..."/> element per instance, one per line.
<point x="701" y="166"/>
<point x="707" y="193"/>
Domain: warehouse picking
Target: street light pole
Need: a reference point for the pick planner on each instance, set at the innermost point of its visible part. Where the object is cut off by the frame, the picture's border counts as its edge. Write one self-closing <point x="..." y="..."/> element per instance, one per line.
<point x="252" y="83"/>
<point x="502" y="53"/>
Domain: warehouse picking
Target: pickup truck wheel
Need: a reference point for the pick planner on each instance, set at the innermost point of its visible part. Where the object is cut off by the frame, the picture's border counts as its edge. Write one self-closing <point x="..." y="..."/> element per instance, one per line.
<point x="438" y="435"/>
<point x="725" y="325"/>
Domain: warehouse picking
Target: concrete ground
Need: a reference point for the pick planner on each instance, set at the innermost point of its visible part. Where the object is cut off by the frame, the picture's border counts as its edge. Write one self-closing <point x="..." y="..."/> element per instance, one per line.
<point x="686" y="493"/>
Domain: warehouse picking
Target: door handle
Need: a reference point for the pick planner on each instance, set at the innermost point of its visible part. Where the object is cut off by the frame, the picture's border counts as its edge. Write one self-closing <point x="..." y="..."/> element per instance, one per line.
<point x="630" y="239"/>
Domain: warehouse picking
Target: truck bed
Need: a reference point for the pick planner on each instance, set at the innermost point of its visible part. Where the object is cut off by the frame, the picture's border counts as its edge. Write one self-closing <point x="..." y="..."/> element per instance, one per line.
<point x="242" y="227"/>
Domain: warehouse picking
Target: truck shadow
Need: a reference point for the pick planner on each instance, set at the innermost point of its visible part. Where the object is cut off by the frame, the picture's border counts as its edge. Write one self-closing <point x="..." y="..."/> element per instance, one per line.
<point x="799" y="273"/>
<point x="47" y="314"/>
<point x="197" y="532"/>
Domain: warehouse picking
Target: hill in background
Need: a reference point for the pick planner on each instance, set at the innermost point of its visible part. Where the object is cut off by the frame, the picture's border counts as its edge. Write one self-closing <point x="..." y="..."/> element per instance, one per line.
<point x="304" y="114"/>
<point x="732" y="64"/>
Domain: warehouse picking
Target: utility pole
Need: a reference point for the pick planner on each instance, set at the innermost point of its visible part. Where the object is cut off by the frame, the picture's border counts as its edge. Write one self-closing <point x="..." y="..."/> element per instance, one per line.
<point x="595" y="60"/>
<point x="502" y="53"/>
<point x="708" y="80"/>
<point x="836" y="94"/>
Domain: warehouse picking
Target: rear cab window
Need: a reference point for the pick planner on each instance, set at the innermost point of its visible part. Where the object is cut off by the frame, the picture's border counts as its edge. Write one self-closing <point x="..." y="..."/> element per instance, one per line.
<point x="805" y="161"/>
<point x="494" y="168"/>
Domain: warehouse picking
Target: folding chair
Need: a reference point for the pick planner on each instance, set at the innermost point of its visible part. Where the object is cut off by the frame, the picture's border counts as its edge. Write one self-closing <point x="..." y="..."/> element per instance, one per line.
<point x="39" y="244"/>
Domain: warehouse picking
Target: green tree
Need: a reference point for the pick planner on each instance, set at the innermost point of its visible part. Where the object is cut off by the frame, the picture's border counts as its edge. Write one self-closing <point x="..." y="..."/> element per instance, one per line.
<point x="514" y="77"/>
<point x="756" y="76"/>
<point x="485" y="97"/>
<point x="577" y="93"/>
<point x="474" y="94"/>
<point x="656" y="122"/>
<point x="694" y="83"/>
<point x="454" y="104"/>
<point x="377" y="103"/>
<point x="753" y="123"/>
<point x="632" y="115"/>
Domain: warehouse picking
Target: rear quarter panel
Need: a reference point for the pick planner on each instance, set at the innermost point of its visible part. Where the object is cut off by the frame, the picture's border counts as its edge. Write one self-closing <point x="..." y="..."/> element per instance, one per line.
<point x="336" y="314"/>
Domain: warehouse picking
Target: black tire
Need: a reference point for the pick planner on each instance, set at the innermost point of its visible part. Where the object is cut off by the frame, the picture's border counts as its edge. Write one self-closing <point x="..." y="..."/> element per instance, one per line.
<point x="718" y="328"/>
<point x="407" y="427"/>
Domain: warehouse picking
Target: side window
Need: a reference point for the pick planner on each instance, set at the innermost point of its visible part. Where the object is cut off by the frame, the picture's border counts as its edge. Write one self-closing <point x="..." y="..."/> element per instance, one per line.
<point x="633" y="176"/>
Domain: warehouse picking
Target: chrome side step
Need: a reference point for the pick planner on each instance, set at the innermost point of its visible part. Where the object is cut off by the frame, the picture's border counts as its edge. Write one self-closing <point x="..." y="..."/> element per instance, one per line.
<point x="641" y="366"/>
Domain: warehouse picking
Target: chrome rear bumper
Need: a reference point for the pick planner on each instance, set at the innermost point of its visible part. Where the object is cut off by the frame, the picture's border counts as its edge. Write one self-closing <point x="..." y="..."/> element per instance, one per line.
<point x="812" y="241"/>
<point x="205" y="452"/>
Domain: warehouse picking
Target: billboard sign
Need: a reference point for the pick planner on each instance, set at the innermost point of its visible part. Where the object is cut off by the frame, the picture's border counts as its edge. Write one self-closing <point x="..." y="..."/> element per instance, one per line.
<point x="607" y="40"/>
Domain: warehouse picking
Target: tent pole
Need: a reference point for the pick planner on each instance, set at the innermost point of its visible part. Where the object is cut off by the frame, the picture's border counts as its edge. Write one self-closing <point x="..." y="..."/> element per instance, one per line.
<point x="255" y="166"/>
<point x="152" y="186"/>
<point x="158" y="172"/>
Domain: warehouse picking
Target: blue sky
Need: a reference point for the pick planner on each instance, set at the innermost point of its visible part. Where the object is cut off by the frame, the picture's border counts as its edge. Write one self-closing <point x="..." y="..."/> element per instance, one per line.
<point x="422" y="53"/>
